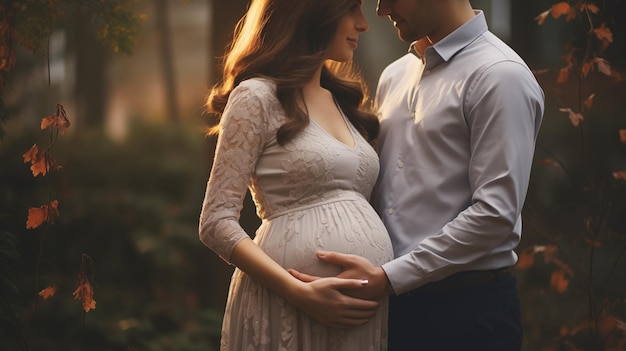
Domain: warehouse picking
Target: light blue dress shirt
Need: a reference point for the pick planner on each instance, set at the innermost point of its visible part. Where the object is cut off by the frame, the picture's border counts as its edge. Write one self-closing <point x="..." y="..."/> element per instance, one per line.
<point x="459" y="122"/>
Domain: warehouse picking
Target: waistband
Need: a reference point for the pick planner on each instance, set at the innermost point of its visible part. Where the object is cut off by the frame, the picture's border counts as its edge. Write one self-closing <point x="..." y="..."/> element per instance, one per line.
<point x="464" y="279"/>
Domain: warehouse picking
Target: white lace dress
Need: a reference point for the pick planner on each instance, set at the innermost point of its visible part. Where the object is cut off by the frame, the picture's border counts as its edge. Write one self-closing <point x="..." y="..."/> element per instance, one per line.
<point x="311" y="194"/>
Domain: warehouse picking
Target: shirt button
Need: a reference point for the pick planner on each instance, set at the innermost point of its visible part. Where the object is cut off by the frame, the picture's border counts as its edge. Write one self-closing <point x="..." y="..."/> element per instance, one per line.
<point x="400" y="164"/>
<point x="412" y="115"/>
<point x="390" y="211"/>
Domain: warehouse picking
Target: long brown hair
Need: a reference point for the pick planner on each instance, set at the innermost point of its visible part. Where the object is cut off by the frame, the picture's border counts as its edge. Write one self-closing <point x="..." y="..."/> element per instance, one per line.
<point x="285" y="41"/>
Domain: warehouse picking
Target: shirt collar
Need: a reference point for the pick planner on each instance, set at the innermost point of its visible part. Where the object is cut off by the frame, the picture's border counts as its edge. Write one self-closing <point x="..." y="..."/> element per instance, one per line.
<point x="451" y="44"/>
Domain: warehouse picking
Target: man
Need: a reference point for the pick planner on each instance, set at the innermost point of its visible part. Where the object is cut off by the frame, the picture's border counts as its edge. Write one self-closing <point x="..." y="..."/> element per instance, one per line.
<point x="459" y="118"/>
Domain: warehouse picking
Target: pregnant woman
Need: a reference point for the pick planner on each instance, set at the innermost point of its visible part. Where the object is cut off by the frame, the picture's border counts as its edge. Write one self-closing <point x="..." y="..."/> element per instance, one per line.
<point x="294" y="132"/>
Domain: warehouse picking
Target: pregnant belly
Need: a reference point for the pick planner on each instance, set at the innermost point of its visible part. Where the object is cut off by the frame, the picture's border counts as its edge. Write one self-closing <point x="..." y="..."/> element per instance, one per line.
<point x="350" y="226"/>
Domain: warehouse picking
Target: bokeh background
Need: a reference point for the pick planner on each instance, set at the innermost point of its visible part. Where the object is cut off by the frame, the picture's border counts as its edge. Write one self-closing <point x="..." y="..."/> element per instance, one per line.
<point x="135" y="162"/>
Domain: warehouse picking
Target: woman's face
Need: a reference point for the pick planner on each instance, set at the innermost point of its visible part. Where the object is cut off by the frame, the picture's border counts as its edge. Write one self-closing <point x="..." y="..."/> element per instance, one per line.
<point x="346" y="37"/>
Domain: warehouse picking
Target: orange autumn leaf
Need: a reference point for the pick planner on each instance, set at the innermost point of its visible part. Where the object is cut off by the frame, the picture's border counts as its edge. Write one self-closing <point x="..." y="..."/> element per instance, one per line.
<point x="586" y="68"/>
<point x="603" y="66"/>
<point x="40" y="166"/>
<point x="36" y="217"/>
<point x="563" y="75"/>
<point x="59" y="120"/>
<point x="40" y="161"/>
<point x="620" y="325"/>
<point x="559" y="281"/>
<point x="574" y="117"/>
<point x="48" y="292"/>
<point x="31" y="154"/>
<point x="45" y="213"/>
<point x="604" y="33"/>
<point x="526" y="258"/>
<point x="541" y="18"/>
<point x="589" y="101"/>
<point x="560" y="9"/>
<point x="619" y="175"/>
<point x="84" y="293"/>
<point x="593" y="8"/>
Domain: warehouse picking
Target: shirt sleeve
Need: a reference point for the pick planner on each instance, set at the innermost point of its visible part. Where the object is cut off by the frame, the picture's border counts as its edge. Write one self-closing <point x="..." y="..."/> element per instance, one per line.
<point x="503" y="111"/>
<point x="240" y="142"/>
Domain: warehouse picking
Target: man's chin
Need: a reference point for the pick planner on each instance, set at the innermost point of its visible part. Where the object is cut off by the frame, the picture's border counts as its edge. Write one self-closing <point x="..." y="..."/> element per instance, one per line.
<point x="405" y="38"/>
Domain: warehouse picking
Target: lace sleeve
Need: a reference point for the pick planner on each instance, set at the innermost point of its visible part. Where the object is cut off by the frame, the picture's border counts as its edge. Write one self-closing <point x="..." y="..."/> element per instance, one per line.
<point x="239" y="145"/>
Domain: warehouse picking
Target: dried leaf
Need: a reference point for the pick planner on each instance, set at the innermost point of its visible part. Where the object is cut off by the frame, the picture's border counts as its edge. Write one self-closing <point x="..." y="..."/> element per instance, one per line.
<point x="40" y="160"/>
<point x="41" y="165"/>
<point x="591" y="7"/>
<point x="603" y="66"/>
<point x="59" y="120"/>
<point x="586" y="68"/>
<point x="526" y="258"/>
<point x="560" y="9"/>
<point x="571" y="14"/>
<point x="620" y="324"/>
<point x="541" y="18"/>
<point x="575" y="118"/>
<point x="31" y="154"/>
<point x="38" y="215"/>
<point x="84" y="293"/>
<point x="604" y="33"/>
<point x="619" y="175"/>
<point x="589" y="101"/>
<point x="48" y="292"/>
<point x="563" y="74"/>
<point x="617" y="76"/>
<point x="559" y="281"/>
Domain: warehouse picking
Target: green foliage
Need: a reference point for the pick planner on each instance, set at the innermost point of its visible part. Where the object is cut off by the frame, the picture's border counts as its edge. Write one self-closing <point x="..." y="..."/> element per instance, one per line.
<point x="117" y="22"/>
<point x="133" y="207"/>
<point x="29" y="24"/>
<point x="11" y="333"/>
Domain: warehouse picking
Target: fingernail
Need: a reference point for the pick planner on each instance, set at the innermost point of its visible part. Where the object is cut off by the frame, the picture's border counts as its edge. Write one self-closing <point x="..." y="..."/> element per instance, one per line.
<point x="364" y="281"/>
<point x="321" y="253"/>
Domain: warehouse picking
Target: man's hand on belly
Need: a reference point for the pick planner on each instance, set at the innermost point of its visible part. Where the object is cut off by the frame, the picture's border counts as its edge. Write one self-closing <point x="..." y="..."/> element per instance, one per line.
<point x="354" y="267"/>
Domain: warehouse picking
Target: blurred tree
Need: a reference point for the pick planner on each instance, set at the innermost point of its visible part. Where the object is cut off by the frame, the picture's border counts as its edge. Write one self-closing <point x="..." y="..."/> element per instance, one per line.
<point x="91" y="88"/>
<point x="225" y="15"/>
<point x="166" y="58"/>
<point x="29" y="24"/>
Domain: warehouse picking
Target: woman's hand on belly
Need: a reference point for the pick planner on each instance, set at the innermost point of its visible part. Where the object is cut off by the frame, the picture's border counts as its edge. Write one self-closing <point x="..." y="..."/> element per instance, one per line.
<point x="323" y="300"/>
